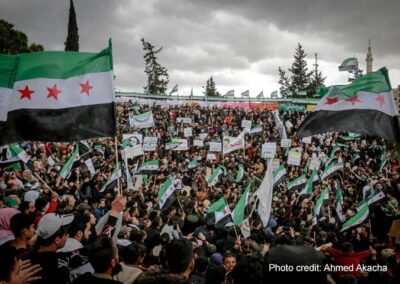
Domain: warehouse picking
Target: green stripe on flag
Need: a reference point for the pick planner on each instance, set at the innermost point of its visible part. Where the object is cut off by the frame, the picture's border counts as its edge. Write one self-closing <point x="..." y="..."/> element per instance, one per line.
<point x="8" y="65"/>
<point x="68" y="165"/>
<point x="62" y="65"/>
<point x="217" y="206"/>
<point x="357" y="219"/>
<point x="238" y="212"/>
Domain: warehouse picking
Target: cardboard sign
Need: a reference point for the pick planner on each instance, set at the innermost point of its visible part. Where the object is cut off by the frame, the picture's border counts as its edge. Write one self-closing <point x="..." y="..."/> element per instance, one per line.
<point x="183" y="146"/>
<point x="198" y="143"/>
<point x="203" y="136"/>
<point x="149" y="143"/>
<point x="286" y="143"/>
<point x="215" y="146"/>
<point x="268" y="150"/>
<point x="294" y="158"/>
<point x="307" y="140"/>
<point x="315" y="164"/>
<point x="187" y="132"/>
<point x="136" y="138"/>
<point x="246" y="123"/>
<point x="186" y="120"/>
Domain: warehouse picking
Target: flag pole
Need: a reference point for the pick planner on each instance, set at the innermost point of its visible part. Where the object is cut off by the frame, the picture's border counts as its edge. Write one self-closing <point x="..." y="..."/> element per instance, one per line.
<point x="116" y="159"/>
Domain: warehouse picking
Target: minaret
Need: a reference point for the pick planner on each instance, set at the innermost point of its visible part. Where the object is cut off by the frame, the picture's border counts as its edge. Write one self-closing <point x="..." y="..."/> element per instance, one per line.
<point x="369" y="58"/>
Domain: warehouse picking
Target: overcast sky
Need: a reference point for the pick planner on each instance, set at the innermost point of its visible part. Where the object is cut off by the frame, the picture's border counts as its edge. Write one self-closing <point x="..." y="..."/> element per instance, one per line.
<point x="240" y="43"/>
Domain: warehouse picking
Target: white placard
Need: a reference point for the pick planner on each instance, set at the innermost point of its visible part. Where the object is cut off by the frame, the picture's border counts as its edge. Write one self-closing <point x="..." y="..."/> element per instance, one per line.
<point x="268" y="150"/>
<point x="307" y="140"/>
<point x="187" y="132"/>
<point x="315" y="164"/>
<point x="183" y="146"/>
<point x="203" y="136"/>
<point x="198" y="158"/>
<point x="246" y="123"/>
<point x="215" y="146"/>
<point x="136" y="138"/>
<point x="137" y="151"/>
<point x="294" y="158"/>
<point x="198" y="143"/>
<point x="286" y="143"/>
<point x="186" y="120"/>
<point x="211" y="156"/>
<point x="275" y="164"/>
<point x="150" y="143"/>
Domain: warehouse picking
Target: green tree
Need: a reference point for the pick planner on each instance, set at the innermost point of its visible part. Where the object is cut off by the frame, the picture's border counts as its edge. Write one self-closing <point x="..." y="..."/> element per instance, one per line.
<point x="72" y="43"/>
<point x="157" y="75"/>
<point x="283" y="82"/>
<point x="211" y="89"/>
<point x="300" y="78"/>
<point x="13" y="41"/>
<point x="317" y="79"/>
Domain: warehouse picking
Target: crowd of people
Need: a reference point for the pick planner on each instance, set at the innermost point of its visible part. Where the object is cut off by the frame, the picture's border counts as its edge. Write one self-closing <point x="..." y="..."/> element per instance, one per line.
<point x="67" y="230"/>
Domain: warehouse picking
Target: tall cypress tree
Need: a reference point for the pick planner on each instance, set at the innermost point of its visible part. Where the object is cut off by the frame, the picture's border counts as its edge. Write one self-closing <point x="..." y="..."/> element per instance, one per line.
<point x="284" y="82"/>
<point x="157" y="75"/>
<point x="300" y="76"/>
<point x="211" y="89"/>
<point x="72" y="43"/>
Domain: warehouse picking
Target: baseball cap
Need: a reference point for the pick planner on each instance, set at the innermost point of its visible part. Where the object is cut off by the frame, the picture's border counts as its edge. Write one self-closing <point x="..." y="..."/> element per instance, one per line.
<point x="50" y="223"/>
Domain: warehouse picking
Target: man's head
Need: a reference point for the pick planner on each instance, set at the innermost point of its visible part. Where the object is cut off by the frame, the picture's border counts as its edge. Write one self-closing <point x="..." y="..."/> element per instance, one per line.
<point x="103" y="256"/>
<point x="80" y="228"/>
<point x="134" y="254"/>
<point x="52" y="230"/>
<point x="9" y="267"/>
<point x="229" y="262"/>
<point x="179" y="257"/>
<point x="23" y="226"/>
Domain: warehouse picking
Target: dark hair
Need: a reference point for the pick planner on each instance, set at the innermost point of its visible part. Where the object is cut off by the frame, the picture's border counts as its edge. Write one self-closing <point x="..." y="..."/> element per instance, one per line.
<point x="79" y="224"/>
<point x="136" y="235"/>
<point x="347" y="247"/>
<point x="133" y="253"/>
<point x="201" y="264"/>
<point x="47" y="242"/>
<point x="179" y="255"/>
<point x="215" y="274"/>
<point x="248" y="270"/>
<point x="101" y="253"/>
<point x="164" y="239"/>
<point x="20" y="221"/>
<point x="24" y="205"/>
<point x="154" y="277"/>
<point x="40" y="203"/>
<point x="8" y="261"/>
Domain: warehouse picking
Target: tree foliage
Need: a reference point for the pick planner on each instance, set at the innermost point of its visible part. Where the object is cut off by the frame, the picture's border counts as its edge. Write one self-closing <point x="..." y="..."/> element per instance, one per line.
<point x="157" y="75"/>
<point x="211" y="89"/>
<point x="13" y="41"/>
<point x="72" y="42"/>
<point x="301" y="80"/>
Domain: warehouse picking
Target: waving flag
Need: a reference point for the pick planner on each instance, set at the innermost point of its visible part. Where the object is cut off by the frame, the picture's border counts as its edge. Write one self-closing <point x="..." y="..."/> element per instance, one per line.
<point x="230" y="93"/>
<point x="66" y="169"/>
<point x="366" y="106"/>
<point x="174" y="89"/>
<point x="331" y="170"/>
<point x="297" y="183"/>
<point x="213" y="180"/>
<point x="309" y="185"/>
<point x="240" y="173"/>
<point x="239" y="211"/>
<point x="318" y="204"/>
<point x="348" y="64"/>
<point x="264" y="194"/>
<point x="339" y="205"/>
<point x="218" y="213"/>
<point x="166" y="194"/>
<point x="112" y="180"/>
<point x="357" y="219"/>
<point x="233" y="143"/>
<point x="149" y="167"/>
<point x="144" y="120"/>
<point x="245" y="94"/>
<point x="60" y="96"/>
<point x="8" y="64"/>
<point x="279" y="175"/>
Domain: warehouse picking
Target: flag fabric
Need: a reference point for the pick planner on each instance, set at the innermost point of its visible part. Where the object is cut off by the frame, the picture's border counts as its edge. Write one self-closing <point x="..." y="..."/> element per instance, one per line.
<point x="357" y="219"/>
<point x="384" y="161"/>
<point x="240" y="173"/>
<point x="193" y="164"/>
<point x="230" y="93"/>
<point x="256" y="129"/>
<point x="245" y="94"/>
<point x="264" y="194"/>
<point x="279" y="175"/>
<point x="17" y="152"/>
<point x="366" y="106"/>
<point x="172" y="145"/>
<point x="144" y="120"/>
<point x="129" y="181"/>
<point x="297" y="183"/>
<point x="274" y="94"/>
<point x="260" y="95"/>
<point x="231" y="144"/>
<point x="375" y="197"/>
<point x="279" y="125"/>
<point x="318" y="204"/>
<point x="239" y="211"/>
<point x="174" y="89"/>
<point x="90" y="166"/>
<point x="66" y="169"/>
<point x="191" y="93"/>
<point x="218" y="213"/>
<point x="348" y="64"/>
<point x="213" y="179"/>
<point x="116" y="174"/>
<point x="351" y="136"/>
<point x="60" y="97"/>
<point x="149" y="167"/>
<point x="331" y="170"/>
<point x="339" y="205"/>
<point x="309" y="185"/>
<point x="166" y="194"/>
<point x="8" y="64"/>
<point x="328" y="160"/>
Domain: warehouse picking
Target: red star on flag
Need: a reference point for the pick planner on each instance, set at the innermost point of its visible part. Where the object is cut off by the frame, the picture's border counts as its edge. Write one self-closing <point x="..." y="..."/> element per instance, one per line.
<point x="330" y="101"/>
<point x="26" y="93"/>
<point x="380" y="99"/>
<point x="86" y="87"/>
<point x="53" y="92"/>
<point x="353" y="100"/>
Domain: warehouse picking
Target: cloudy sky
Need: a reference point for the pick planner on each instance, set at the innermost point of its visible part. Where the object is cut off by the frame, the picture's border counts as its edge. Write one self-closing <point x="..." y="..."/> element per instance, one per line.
<point x="240" y="43"/>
